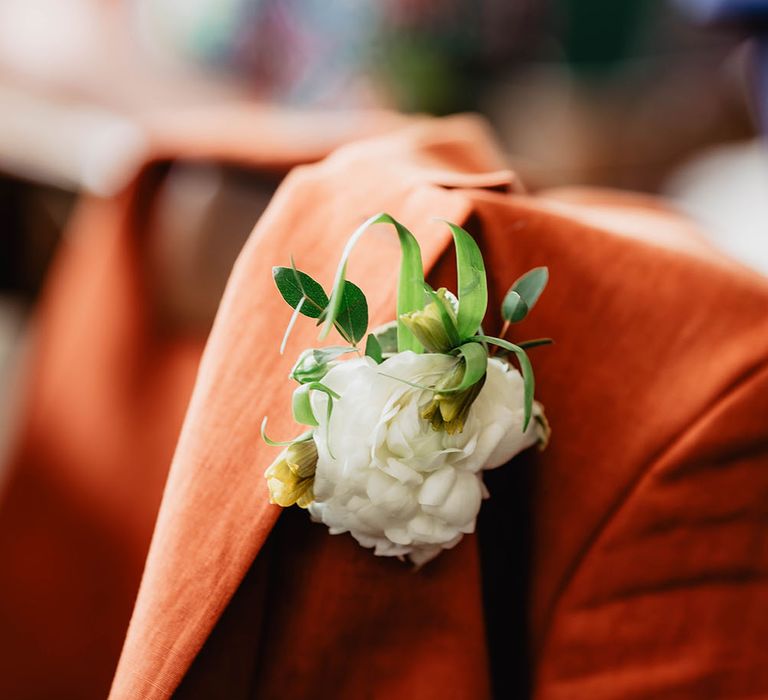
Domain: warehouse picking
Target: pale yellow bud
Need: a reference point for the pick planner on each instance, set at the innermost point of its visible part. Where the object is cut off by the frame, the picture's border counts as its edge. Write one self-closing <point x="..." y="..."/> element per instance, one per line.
<point x="291" y="477"/>
<point x="302" y="458"/>
<point x="428" y="324"/>
<point x="448" y="411"/>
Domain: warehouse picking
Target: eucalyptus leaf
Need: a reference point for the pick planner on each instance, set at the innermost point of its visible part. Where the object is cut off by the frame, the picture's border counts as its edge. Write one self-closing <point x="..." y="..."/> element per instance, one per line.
<point x="530" y="285"/>
<point x="352" y="319"/>
<point x="373" y="349"/>
<point x="295" y="285"/>
<point x="525" y="369"/>
<point x="473" y="287"/>
<point x="513" y="308"/>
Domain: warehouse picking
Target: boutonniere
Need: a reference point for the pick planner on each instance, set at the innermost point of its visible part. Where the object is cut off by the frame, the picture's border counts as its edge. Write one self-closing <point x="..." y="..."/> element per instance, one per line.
<point x="400" y="428"/>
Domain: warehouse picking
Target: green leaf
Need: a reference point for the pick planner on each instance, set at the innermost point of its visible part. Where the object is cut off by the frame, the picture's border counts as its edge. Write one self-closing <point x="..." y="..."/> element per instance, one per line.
<point x="373" y="349"/>
<point x="446" y="314"/>
<point x="292" y="323"/>
<point x="473" y="288"/>
<point x="410" y="292"/>
<point x="525" y="369"/>
<point x="282" y="443"/>
<point x="530" y="286"/>
<point x="475" y="365"/>
<point x="410" y="296"/>
<point x="526" y="344"/>
<point x="352" y="320"/>
<point x="295" y="285"/>
<point x="475" y="358"/>
<point x="513" y="308"/>
<point x="302" y="405"/>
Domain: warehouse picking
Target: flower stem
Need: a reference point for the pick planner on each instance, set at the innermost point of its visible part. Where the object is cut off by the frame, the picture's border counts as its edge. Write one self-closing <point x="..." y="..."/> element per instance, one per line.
<point x="502" y="334"/>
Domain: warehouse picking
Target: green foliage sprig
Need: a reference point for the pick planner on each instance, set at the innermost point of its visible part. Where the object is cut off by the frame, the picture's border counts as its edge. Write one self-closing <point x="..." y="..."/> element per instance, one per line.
<point x="435" y="319"/>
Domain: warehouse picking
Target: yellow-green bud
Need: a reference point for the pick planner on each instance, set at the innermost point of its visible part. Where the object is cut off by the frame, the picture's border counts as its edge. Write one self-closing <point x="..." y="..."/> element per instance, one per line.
<point x="291" y="477"/>
<point x="449" y="411"/>
<point x="428" y="325"/>
<point x="301" y="458"/>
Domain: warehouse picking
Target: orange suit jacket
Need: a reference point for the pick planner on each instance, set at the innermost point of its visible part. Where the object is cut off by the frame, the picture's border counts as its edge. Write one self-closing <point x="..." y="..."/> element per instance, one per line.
<point x="629" y="560"/>
<point x="106" y="392"/>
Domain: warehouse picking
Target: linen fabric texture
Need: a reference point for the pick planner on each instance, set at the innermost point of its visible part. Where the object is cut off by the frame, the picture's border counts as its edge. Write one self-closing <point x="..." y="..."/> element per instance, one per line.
<point x="640" y="564"/>
<point x="105" y="389"/>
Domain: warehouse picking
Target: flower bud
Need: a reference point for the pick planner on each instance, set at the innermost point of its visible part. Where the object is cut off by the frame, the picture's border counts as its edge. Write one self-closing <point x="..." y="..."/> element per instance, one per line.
<point x="301" y="458"/>
<point x="291" y="477"/>
<point x="428" y="324"/>
<point x="448" y="411"/>
<point x="311" y="366"/>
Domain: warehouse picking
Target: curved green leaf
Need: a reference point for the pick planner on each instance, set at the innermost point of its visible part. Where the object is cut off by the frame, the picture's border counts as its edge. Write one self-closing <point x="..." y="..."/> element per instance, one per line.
<point x="473" y="288"/>
<point x="410" y="295"/>
<point x="475" y="365"/>
<point x="410" y="291"/>
<point x="282" y="443"/>
<point x="302" y="405"/>
<point x="446" y="313"/>
<point x="525" y="369"/>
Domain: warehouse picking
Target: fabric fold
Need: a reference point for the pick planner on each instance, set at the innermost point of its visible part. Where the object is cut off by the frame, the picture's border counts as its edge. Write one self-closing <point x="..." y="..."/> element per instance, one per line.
<point x="646" y="511"/>
<point x="215" y="514"/>
<point x="234" y="601"/>
<point x="106" y="389"/>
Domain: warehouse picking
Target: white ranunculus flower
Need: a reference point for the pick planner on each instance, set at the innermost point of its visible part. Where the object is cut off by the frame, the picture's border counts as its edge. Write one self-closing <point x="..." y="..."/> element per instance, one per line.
<point x="384" y="475"/>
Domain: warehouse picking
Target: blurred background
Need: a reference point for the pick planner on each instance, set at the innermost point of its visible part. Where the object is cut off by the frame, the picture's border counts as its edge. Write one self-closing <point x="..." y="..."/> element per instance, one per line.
<point x="650" y="95"/>
<point x="642" y="94"/>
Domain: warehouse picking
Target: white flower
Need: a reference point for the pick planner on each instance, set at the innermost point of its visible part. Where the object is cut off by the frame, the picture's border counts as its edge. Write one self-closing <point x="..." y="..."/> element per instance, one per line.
<point x="386" y="476"/>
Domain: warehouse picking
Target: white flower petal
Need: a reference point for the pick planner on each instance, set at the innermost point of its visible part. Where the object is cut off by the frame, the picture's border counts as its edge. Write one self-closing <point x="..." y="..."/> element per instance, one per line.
<point x="463" y="501"/>
<point x="385" y="476"/>
<point x="438" y="485"/>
